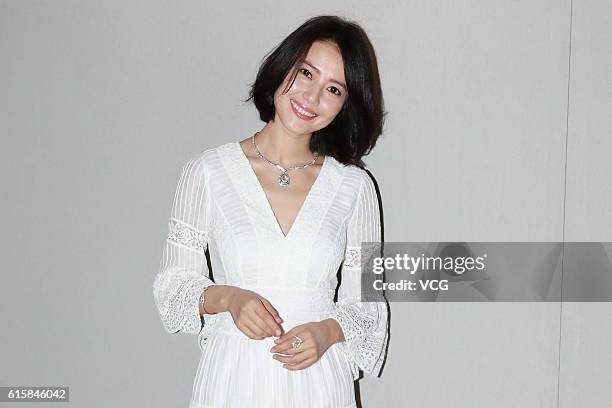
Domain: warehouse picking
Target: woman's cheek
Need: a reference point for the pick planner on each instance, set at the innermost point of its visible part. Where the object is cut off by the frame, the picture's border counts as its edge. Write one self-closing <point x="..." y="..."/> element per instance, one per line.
<point x="336" y="107"/>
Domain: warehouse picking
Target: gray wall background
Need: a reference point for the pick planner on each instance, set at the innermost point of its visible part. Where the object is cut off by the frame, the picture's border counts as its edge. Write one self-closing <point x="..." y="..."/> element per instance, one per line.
<point x="499" y="129"/>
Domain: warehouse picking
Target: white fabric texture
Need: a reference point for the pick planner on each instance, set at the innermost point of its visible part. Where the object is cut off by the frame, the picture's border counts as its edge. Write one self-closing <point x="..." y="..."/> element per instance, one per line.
<point x="220" y="204"/>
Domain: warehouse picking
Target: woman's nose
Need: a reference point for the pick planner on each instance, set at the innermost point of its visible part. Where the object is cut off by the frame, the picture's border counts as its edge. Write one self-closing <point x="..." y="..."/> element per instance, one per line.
<point x="311" y="96"/>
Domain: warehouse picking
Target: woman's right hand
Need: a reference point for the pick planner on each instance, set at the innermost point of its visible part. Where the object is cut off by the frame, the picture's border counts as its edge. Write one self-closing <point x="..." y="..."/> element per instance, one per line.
<point x="254" y="315"/>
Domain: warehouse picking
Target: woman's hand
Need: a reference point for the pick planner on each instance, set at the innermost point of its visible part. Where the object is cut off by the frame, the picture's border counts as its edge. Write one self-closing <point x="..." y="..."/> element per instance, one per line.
<point x="316" y="337"/>
<point x="254" y="315"/>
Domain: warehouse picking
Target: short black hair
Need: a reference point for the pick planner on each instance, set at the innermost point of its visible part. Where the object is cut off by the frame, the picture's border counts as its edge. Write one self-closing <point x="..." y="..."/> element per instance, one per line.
<point x="354" y="131"/>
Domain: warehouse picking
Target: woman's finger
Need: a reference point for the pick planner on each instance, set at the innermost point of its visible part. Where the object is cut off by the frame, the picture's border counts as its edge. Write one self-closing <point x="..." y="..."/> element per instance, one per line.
<point x="246" y="330"/>
<point x="294" y="359"/>
<point x="257" y="332"/>
<point x="288" y="336"/>
<point x="304" y="364"/>
<point x="266" y="320"/>
<point x="287" y="348"/>
<point x="261" y="328"/>
<point x="272" y="310"/>
<point x="287" y="339"/>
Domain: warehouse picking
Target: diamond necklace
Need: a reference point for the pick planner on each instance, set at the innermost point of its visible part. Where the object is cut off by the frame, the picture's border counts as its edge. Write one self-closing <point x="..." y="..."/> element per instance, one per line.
<point x="283" y="178"/>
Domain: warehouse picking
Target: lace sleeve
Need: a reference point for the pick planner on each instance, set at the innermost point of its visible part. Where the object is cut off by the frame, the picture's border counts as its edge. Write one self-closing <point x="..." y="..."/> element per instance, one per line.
<point x="364" y="324"/>
<point x="183" y="272"/>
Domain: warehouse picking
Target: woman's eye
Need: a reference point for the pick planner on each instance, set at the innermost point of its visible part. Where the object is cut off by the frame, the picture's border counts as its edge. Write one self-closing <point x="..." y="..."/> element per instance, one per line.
<point x="305" y="72"/>
<point x="335" y="91"/>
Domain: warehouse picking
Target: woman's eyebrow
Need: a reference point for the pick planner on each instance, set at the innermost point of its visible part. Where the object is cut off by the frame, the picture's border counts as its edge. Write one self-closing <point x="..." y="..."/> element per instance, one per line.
<point x="319" y="71"/>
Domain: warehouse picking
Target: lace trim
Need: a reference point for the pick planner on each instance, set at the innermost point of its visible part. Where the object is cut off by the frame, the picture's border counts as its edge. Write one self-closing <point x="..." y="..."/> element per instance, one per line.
<point x="177" y="295"/>
<point x="354" y="255"/>
<point x="352" y="258"/>
<point x="364" y="326"/>
<point x="184" y="234"/>
<point x="209" y="322"/>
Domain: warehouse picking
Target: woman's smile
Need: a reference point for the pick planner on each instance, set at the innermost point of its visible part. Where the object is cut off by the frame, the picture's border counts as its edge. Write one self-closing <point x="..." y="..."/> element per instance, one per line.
<point x="301" y="112"/>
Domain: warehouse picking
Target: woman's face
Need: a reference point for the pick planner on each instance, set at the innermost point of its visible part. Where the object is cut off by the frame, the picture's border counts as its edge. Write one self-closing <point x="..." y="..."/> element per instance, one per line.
<point x="318" y="93"/>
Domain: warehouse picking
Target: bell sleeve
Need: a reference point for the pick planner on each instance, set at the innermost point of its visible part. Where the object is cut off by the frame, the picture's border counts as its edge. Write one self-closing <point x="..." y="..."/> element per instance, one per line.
<point x="183" y="273"/>
<point x="364" y="324"/>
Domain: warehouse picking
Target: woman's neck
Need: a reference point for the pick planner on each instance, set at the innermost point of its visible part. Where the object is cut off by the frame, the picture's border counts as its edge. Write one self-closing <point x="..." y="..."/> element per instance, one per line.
<point x="280" y="146"/>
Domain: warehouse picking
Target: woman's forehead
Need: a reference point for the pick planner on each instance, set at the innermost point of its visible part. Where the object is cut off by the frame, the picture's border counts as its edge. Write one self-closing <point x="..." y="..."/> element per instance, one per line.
<point x="325" y="57"/>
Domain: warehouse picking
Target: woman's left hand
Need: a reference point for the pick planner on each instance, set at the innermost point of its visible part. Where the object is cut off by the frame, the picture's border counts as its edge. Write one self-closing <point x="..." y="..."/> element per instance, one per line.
<point x="316" y="337"/>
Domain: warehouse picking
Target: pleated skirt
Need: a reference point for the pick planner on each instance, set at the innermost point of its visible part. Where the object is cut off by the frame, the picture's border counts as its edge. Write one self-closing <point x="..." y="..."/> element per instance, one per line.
<point x="236" y="371"/>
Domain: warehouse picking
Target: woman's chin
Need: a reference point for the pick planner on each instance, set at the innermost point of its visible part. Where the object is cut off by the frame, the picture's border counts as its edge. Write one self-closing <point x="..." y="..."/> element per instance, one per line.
<point x="299" y="127"/>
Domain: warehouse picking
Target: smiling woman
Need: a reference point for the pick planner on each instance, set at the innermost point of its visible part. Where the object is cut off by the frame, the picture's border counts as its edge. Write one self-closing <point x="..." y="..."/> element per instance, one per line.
<point x="313" y="93"/>
<point x="269" y="330"/>
<point x="348" y="69"/>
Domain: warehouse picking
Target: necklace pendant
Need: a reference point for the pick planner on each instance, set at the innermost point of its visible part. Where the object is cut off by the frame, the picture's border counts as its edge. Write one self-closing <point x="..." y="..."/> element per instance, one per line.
<point x="283" y="179"/>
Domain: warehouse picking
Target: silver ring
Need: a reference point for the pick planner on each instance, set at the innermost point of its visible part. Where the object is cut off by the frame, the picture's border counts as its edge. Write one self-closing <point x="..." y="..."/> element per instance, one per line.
<point x="297" y="342"/>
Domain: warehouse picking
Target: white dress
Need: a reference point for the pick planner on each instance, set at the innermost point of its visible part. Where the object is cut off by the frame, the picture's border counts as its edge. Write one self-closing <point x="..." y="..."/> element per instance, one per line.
<point x="219" y="202"/>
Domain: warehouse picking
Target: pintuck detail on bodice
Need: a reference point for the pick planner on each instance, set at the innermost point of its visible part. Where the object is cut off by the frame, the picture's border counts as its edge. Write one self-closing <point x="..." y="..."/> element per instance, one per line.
<point x="219" y="203"/>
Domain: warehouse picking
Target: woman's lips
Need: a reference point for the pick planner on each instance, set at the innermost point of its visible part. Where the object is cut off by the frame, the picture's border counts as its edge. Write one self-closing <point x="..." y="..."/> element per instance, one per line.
<point x="300" y="112"/>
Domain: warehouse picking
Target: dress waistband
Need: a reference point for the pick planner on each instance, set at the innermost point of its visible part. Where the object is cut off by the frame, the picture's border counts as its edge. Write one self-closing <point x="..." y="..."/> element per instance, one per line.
<point x="294" y="305"/>
<point x="296" y="300"/>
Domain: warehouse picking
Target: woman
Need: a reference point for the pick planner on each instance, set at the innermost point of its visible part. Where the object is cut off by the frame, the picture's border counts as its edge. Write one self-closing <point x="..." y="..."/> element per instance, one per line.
<point x="280" y="212"/>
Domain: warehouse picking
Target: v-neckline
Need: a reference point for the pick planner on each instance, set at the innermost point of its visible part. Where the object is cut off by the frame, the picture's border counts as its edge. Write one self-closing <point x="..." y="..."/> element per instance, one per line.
<point x="266" y="202"/>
